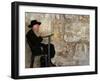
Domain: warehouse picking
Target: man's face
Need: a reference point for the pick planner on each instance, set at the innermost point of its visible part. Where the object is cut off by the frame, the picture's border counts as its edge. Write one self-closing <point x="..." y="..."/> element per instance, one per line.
<point x="36" y="27"/>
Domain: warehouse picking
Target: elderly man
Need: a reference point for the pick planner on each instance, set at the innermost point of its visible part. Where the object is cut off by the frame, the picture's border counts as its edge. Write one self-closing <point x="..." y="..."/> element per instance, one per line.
<point x="38" y="48"/>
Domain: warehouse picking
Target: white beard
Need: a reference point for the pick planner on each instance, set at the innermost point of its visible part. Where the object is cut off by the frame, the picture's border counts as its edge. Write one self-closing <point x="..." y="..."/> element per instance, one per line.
<point x="37" y="33"/>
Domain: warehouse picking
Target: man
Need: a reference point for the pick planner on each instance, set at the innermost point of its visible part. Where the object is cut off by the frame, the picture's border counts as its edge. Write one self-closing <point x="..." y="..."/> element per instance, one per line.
<point x="38" y="48"/>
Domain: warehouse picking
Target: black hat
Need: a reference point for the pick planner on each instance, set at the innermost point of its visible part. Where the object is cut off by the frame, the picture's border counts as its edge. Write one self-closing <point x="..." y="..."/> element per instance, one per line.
<point x="33" y="22"/>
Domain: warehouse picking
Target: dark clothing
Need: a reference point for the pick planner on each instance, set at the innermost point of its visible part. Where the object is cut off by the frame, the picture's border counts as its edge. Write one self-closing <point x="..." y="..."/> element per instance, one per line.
<point x="36" y="46"/>
<point x="34" y="43"/>
<point x="52" y="50"/>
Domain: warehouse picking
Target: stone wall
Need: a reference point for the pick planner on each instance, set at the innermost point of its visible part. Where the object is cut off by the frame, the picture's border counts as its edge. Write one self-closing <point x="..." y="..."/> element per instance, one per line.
<point x="71" y="37"/>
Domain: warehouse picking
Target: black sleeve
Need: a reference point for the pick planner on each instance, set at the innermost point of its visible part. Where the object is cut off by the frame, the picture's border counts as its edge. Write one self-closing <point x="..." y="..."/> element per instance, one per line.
<point x="33" y="40"/>
<point x="40" y="39"/>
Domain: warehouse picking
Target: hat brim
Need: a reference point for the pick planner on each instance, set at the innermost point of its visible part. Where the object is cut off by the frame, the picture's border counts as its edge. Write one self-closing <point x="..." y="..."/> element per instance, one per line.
<point x="31" y="25"/>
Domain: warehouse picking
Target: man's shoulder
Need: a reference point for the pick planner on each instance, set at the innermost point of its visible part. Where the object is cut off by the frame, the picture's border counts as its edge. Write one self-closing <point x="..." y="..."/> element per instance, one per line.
<point x="28" y="33"/>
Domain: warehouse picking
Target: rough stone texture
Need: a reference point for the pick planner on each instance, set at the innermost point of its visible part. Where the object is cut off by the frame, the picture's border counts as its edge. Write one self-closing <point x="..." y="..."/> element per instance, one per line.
<point x="71" y="37"/>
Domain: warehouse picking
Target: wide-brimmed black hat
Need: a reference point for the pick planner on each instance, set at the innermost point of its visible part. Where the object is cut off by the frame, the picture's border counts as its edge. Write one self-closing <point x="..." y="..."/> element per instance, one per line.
<point x="33" y="22"/>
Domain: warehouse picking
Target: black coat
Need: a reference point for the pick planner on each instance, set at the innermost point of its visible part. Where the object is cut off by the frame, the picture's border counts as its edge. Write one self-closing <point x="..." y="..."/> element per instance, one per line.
<point x="34" y="43"/>
<point x="36" y="46"/>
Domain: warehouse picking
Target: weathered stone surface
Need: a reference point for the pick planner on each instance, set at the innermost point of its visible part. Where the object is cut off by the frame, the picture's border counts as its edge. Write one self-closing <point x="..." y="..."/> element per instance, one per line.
<point x="71" y="37"/>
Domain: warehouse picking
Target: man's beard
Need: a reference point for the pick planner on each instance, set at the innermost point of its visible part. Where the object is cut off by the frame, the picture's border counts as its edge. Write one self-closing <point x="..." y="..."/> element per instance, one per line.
<point x="37" y="33"/>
